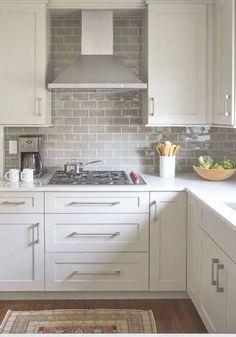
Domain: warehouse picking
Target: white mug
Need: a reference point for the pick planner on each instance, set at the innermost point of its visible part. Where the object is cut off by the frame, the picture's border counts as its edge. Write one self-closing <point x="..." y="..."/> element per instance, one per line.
<point x="27" y="175"/>
<point x="12" y="175"/>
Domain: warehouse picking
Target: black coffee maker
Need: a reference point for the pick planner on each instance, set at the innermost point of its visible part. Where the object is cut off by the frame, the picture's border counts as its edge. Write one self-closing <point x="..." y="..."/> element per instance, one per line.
<point x="29" y="153"/>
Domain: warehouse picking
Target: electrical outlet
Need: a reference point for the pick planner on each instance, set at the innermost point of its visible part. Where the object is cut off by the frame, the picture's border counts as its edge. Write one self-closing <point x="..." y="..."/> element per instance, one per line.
<point x="12" y="146"/>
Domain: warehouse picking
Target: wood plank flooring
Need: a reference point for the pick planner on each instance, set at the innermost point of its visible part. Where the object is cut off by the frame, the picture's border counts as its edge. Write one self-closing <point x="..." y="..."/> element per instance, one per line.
<point x="172" y="316"/>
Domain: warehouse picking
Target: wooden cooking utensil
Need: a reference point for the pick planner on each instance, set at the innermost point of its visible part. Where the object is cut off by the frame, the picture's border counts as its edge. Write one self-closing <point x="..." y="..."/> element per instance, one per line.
<point x="177" y="149"/>
<point x="167" y="148"/>
<point x="172" y="150"/>
<point x="158" y="149"/>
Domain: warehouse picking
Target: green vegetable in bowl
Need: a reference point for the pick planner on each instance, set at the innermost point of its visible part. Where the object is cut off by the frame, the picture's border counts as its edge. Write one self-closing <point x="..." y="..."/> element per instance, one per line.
<point x="217" y="166"/>
<point x="208" y="163"/>
<point x="227" y="164"/>
<point x="205" y="161"/>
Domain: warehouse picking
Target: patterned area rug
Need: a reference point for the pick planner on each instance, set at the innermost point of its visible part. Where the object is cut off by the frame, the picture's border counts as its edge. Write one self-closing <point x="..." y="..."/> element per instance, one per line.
<point x="79" y="321"/>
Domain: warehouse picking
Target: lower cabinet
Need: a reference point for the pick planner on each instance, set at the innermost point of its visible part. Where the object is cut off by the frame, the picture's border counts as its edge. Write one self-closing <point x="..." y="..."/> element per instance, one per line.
<point x="97" y="241"/>
<point x="217" y="298"/>
<point x="211" y="274"/>
<point x="193" y="222"/>
<point x="22" y="252"/>
<point x="97" y="272"/>
<point x="168" y="241"/>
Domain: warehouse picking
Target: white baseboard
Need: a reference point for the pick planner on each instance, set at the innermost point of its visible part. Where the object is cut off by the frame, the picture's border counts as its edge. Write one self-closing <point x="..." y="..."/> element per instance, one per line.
<point x="91" y="295"/>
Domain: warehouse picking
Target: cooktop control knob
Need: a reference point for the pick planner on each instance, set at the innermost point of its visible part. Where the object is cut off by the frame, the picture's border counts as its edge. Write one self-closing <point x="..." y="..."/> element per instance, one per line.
<point x="135" y="177"/>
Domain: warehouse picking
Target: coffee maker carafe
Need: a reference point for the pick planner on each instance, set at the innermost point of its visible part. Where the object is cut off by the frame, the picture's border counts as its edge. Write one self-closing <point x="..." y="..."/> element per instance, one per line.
<point x="29" y="153"/>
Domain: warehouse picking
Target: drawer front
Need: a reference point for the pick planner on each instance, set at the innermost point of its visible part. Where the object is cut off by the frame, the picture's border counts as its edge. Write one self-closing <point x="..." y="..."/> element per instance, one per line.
<point x="102" y="202"/>
<point x="21" y="202"/>
<point x="97" y="272"/>
<point x="97" y="232"/>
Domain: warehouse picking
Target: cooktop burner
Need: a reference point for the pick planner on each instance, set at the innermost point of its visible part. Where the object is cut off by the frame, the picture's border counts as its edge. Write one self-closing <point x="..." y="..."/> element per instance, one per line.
<point x="94" y="178"/>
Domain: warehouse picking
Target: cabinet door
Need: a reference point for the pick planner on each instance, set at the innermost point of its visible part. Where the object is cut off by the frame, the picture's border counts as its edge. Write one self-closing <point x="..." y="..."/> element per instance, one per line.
<point x="212" y="302"/>
<point x="231" y="296"/>
<point x="224" y="25"/>
<point x="193" y="218"/>
<point x="22" y="252"/>
<point x="176" y="64"/>
<point x="168" y="241"/>
<point x="23" y="96"/>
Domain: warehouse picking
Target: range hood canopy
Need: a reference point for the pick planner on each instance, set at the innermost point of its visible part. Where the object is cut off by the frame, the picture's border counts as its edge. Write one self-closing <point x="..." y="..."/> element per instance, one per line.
<point x="97" y="67"/>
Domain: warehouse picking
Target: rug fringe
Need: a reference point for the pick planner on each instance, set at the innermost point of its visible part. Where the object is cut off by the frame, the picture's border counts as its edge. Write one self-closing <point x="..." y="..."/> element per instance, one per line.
<point x="153" y="321"/>
<point x="4" y="321"/>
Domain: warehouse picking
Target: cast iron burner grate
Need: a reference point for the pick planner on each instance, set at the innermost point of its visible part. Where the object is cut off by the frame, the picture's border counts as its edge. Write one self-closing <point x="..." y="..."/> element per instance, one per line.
<point x="92" y="178"/>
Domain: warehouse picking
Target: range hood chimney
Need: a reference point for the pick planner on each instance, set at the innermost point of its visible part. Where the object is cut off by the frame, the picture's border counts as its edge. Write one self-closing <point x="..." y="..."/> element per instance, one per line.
<point x="97" y="67"/>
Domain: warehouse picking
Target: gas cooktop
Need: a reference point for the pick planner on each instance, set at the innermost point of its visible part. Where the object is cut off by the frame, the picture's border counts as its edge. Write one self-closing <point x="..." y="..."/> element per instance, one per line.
<point x="95" y="178"/>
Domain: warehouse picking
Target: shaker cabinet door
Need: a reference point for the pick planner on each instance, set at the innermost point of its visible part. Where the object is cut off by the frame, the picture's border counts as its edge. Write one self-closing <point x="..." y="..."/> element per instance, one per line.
<point x="168" y="241"/>
<point x="22" y="252"/>
<point x="176" y="64"/>
<point x="212" y="299"/>
<point x="224" y="26"/>
<point x="23" y="95"/>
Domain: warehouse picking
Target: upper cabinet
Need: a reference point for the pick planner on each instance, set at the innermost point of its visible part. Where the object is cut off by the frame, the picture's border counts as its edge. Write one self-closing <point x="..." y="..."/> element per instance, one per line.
<point x="176" y="64"/>
<point x="24" y="99"/>
<point x="223" y="80"/>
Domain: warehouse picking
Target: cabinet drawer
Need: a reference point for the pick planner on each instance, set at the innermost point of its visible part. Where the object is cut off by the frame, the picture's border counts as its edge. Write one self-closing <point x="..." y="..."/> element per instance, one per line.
<point x="97" y="272"/>
<point x="21" y="202"/>
<point x="97" y="232"/>
<point x="101" y="202"/>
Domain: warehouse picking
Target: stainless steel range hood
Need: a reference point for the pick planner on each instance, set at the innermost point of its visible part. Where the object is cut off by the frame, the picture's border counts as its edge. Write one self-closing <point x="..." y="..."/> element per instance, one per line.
<point x="97" y="67"/>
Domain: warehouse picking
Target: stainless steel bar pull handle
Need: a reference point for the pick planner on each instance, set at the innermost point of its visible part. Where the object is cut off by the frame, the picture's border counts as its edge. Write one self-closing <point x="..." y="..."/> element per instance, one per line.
<point x="75" y="203"/>
<point x="218" y="288"/>
<point x="36" y="226"/>
<point x="154" y="203"/>
<point x="77" y="273"/>
<point x="38" y="109"/>
<point x="226" y="99"/>
<point x="213" y="262"/>
<point x="152" y="113"/>
<point x="75" y="234"/>
<point x="12" y="203"/>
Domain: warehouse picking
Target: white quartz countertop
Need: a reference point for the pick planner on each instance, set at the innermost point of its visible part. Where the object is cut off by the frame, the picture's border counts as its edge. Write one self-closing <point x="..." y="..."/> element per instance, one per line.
<point x="213" y="194"/>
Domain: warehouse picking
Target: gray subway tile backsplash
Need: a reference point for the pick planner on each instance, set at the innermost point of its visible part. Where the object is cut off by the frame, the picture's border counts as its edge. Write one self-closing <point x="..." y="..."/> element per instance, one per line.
<point x="107" y="125"/>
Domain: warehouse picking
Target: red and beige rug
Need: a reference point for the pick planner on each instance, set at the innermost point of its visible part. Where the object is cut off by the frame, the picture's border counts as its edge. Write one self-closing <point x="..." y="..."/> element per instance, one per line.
<point x="79" y="321"/>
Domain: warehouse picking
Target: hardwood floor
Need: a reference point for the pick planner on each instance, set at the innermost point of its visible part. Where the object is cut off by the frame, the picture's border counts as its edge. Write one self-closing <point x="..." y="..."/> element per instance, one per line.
<point x="172" y="316"/>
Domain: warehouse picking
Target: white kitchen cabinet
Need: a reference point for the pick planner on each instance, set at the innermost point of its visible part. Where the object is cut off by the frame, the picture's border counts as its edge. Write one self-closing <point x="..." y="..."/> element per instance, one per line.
<point x="212" y="303"/>
<point x="168" y="241"/>
<point x="193" y="220"/>
<point x="97" y="233"/>
<point x="97" y="272"/>
<point x="224" y="48"/>
<point x="176" y="64"/>
<point x="21" y="202"/>
<point x="97" y="241"/>
<point x="217" y="299"/>
<point x="97" y="202"/>
<point x="24" y="99"/>
<point x="22" y="252"/>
